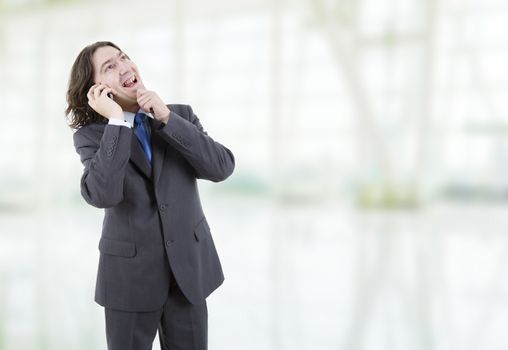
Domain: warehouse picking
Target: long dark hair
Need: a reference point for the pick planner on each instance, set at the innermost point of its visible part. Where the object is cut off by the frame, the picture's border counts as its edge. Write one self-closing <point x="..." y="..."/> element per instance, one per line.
<point x="78" y="112"/>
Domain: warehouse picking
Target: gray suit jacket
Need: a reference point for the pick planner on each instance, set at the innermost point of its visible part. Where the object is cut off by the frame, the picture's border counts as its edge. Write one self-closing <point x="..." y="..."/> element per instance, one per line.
<point x="153" y="214"/>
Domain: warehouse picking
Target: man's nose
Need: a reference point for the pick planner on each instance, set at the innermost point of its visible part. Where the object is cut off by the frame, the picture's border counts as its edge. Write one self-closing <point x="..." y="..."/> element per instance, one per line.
<point x="122" y="68"/>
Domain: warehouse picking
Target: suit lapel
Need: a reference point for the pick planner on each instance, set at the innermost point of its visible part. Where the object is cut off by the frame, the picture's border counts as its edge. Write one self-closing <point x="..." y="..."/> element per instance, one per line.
<point x="158" y="149"/>
<point x="139" y="158"/>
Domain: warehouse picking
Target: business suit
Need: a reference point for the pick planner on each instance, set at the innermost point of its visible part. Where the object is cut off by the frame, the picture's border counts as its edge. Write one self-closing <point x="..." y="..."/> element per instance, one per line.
<point x="154" y="234"/>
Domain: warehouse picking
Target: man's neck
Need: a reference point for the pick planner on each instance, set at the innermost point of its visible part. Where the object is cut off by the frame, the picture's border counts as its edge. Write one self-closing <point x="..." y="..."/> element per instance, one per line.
<point x="131" y="108"/>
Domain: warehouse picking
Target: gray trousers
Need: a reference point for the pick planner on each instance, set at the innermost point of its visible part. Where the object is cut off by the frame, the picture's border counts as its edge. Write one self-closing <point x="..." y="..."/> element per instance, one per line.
<point x="181" y="325"/>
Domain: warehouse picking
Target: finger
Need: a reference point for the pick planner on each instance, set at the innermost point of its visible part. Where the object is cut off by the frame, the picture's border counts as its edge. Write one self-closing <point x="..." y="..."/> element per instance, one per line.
<point x="100" y="89"/>
<point x="141" y="91"/>
<point x="106" y="91"/>
<point x="143" y="105"/>
<point x="90" y="95"/>
<point x="92" y="88"/>
<point x="146" y="94"/>
<point x="97" y="91"/>
<point x="143" y="99"/>
<point x="147" y="104"/>
<point x="90" y="91"/>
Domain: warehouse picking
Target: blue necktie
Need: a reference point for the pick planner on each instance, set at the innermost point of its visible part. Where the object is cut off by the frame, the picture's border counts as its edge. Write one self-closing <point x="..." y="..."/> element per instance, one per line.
<point x="142" y="134"/>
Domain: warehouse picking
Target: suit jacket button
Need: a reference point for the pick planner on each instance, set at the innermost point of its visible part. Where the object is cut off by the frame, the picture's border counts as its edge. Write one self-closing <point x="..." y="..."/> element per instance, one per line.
<point x="162" y="207"/>
<point x="169" y="242"/>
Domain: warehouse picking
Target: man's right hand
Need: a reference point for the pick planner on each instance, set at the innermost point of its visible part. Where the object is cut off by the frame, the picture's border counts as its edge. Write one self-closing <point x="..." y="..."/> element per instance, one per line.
<point x="100" y="102"/>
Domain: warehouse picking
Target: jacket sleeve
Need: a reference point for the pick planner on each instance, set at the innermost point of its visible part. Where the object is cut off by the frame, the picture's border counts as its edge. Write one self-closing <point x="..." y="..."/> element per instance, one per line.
<point x="210" y="160"/>
<point x="105" y="161"/>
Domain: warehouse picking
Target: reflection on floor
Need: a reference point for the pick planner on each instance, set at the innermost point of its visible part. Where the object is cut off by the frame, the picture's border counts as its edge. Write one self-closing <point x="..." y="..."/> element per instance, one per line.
<point x="317" y="277"/>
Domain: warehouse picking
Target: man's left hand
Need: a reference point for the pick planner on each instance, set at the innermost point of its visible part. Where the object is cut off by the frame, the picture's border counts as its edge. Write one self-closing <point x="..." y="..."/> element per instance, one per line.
<point x="151" y="102"/>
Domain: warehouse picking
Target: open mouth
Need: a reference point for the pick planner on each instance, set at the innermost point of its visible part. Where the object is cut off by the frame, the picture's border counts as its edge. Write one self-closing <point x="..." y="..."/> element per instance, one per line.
<point x="131" y="82"/>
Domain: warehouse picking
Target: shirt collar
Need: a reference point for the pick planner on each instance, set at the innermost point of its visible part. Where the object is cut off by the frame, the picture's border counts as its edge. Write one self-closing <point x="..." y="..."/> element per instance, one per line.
<point x="129" y="116"/>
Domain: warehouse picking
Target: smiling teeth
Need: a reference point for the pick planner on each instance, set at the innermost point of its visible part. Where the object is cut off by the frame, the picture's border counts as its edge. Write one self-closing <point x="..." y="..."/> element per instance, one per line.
<point x="130" y="81"/>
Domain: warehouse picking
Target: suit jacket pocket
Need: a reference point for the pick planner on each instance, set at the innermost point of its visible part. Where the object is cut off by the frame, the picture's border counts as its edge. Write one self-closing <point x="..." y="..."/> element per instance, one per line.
<point x="201" y="230"/>
<point x="114" y="247"/>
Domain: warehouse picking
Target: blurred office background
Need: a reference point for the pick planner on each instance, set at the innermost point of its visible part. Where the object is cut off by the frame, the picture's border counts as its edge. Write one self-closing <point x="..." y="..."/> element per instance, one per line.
<point x="368" y="208"/>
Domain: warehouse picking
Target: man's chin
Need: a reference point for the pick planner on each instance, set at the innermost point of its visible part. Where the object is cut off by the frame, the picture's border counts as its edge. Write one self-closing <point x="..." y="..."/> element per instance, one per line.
<point x="126" y="103"/>
<point x="127" y="97"/>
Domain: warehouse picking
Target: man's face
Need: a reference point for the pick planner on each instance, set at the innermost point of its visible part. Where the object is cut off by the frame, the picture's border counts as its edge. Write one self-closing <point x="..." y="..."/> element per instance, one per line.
<point x="114" y="69"/>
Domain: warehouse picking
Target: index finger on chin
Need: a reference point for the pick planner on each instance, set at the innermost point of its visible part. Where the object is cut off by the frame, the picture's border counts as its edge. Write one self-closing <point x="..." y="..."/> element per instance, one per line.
<point x="140" y="91"/>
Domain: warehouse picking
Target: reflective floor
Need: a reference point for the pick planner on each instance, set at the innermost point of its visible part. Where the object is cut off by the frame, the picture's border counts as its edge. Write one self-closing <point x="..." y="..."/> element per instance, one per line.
<point x="298" y="276"/>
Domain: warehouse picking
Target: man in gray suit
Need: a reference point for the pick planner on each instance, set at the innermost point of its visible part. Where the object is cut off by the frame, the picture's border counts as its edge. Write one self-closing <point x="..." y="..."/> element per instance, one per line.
<point x="141" y="158"/>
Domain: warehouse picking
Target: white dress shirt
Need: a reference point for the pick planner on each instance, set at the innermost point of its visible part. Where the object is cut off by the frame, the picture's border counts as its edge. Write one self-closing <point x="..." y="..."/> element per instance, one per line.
<point x="128" y="118"/>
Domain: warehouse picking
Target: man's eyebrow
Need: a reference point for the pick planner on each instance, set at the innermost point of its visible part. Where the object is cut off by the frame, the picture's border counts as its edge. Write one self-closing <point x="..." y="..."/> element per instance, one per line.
<point x="120" y="53"/>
